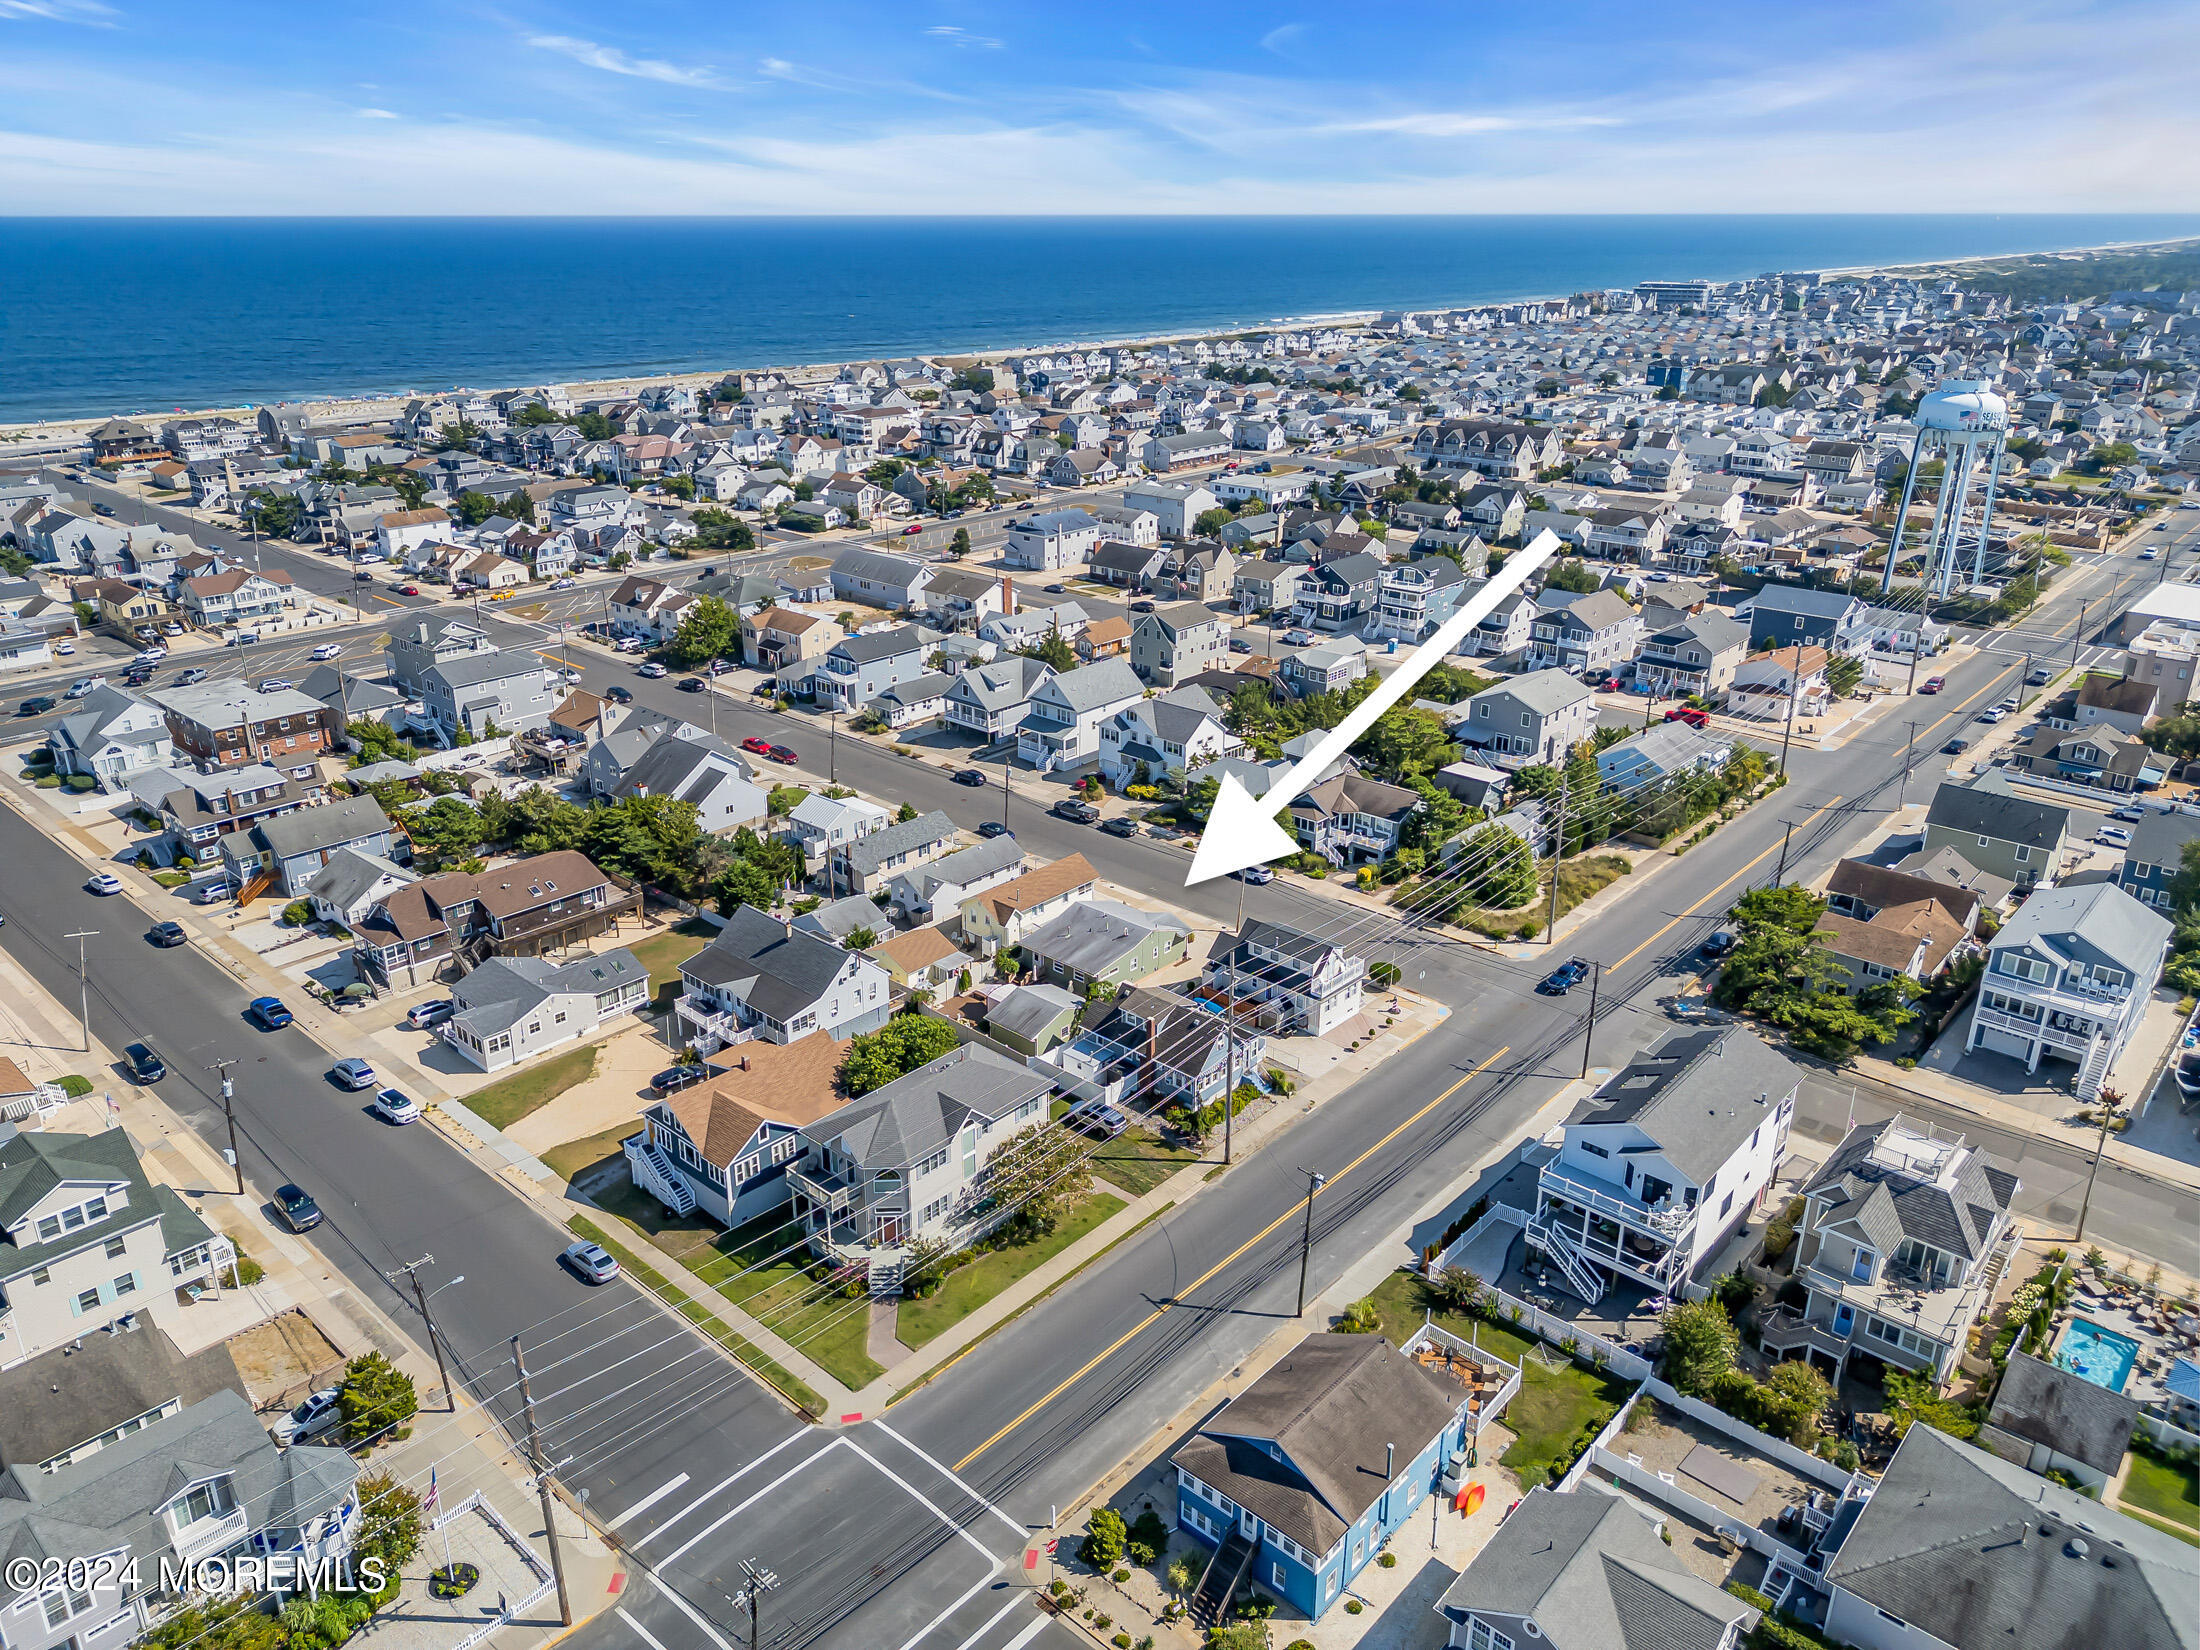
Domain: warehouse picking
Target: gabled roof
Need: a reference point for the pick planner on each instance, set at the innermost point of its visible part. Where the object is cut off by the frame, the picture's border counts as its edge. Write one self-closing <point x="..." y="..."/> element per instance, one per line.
<point x="1883" y="886"/>
<point x="334" y="825"/>
<point x="1036" y="887"/>
<point x="1096" y="684"/>
<point x="2100" y="915"/>
<point x="2044" y="1404"/>
<point x="776" y="969"/>
<point x="1999" y="815"/>
<point x="760" y="1082"/>
<point x="1699" y="1094"/>
<point x="871" y="854"/>
<point x="1545" y="692"/>
<point x="914" y="1115"/>
<point x="1887" y="1195"/>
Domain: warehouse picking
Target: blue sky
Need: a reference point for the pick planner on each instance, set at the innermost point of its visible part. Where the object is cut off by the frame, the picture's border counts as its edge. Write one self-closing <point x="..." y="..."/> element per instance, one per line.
<point x="947" y="106"/>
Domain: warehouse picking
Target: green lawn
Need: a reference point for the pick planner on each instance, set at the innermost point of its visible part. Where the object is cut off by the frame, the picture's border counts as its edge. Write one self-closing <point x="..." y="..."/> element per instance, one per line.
<point x="2169" y="1492"/>
<point x="663" y="953"/>
<point x="764" y="1269"/>
<point x="1554" y="1416"/>
<point x="576" y="1157"/>
<point x="1403" y="1300"/>
<point x="1138" y="1160"/>
<point x="970" y="1287"/>
<point x="502" y="1104"/>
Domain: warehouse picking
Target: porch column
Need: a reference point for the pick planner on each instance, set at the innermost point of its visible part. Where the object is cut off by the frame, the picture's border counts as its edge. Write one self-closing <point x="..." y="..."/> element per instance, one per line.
<point x="2039" y="1045"/>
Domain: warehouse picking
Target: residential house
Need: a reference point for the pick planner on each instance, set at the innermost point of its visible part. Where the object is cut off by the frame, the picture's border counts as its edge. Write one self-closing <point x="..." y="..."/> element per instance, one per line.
<point x="1915" y="941"/>
<point x="702" y="769"/>
<point x="485" y="694"/>
<point x="783" y="639"/>
<point x="1104" y="942"/>
<point x="206" y="807"/>
<point x="1266" y="586"/>
<point x="1172" y="734"/>
<point x="398" y="534"/>
<point x="1662" y="752"/>
<point x="1053" y="541"/>
<point x="850" y="918"/>
<point x="1304" y="982"/>
<point x="2156" y="855"/>
<point x="1174" y="505"/>
<point x="1035" y="1020"/>
<point x="877" y="579"/>
<point x="1787" y="682"/>
<point x="1127" y="566"/>
<point x="992" y="700"/>
<point x="1537" y="718"/>
<point x="1585" y="1570"/>
<point x="216" y="725"/>
<point x="1326" y="667"/>
<point x="724" y="1145"/>
<point x="1008" y="911"/>
<point x="645" y="607"/>
<point x="126" y="609"/>
<point x="1785" y="614"/>
<point x="1696" y="655"/>
<point x="110" y="735"/>
<point x="935" y="887"/>
<point x="1597" y="632"/>
<point x="1350" y="820"/>
<point x="868" y="864"/>
<point x="1413" y="600"/>
<point x="760" y="977"/>
<point x="907" y="1163"/>
<point x="2121" y="703"/>
<point x="352" y="884"/>
<point x="2049" y="1419"/>
<point x="1187" y="451"/>
<point x="1509" y="452"/>
<point x="1108" y="638"/>
<point x="962" y="600"/>
<point x="417" y="644"/>
<point x="512" y="1008"/>
<point x="546" y="902"/>
<point x="857" y="669"/>
<point x="1664" y="1160"/>
<point x="2070" y="975"/>
<point x="2015" y="838"/>
<point x="2097" y="756"/>
<point x="1957" y="1549"/>
<point x="1062" y="728"/>
<point x="215" y="600"/>
<point x="1861" y="890"/>
<point x="922" y="959"/>
<point x="820" y="823"/>
<point x="1619" y="533"/>
<point x="1175" y="641"/>
<point x="287" y="851"/>
<point x="1506" y="629"/>
<point x="1084" y="467"/>
<point x="1342" y="594"/>
<point x="1200" y="573"/>
<point x="1304" y="1476"/>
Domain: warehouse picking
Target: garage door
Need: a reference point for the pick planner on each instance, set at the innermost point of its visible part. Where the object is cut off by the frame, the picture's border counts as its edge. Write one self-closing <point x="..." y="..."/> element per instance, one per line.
<point x="2006" y="1042"/>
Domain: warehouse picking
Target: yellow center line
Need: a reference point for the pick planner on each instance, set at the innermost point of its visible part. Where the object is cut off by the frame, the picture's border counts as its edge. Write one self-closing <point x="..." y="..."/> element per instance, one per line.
<point x="1290" y="1213"/>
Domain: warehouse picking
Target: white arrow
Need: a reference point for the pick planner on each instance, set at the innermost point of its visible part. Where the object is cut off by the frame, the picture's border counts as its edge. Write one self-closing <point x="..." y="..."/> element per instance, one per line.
<point x="1242" y="832"/>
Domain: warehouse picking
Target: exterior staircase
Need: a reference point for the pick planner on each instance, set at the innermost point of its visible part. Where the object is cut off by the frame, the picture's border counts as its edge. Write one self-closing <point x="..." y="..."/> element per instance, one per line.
<point x="1580" y="1273"/>
<point x="883" y="1276"/>
<point x="261" y="882"/>
<point x="1219" y="1583"/>
<point x="2094" y="1072"/>
<point x="654" y="1173"/>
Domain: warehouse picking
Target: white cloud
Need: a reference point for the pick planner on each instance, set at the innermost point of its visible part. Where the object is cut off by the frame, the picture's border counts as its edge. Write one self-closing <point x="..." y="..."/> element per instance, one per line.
<point x="1438" y="124"/>
<point x="613" y="61"/>
<point x="376" y="114"/>
<point x="962" y="37"/>
<point x="1282" y="35"/>
<point x="88" y="12"/>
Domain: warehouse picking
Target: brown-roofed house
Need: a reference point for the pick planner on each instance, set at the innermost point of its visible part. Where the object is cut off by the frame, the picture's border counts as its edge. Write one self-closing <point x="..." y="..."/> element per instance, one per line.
<point x="1916" y="940"/>
<point x="1105" y="638"/>
<point x="726" y="1142"/>
<point x="924" y="959"/>
<point x="1862" y="890"/>
<point x="1005" y="914"/>
<point x="516" y="910"/>
<point x="18" y="1094"/>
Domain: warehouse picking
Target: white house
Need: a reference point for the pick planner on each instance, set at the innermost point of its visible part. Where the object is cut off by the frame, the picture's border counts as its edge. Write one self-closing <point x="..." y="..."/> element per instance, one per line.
<point x="1067" y="711"/>
<point x="1052" y="541"/>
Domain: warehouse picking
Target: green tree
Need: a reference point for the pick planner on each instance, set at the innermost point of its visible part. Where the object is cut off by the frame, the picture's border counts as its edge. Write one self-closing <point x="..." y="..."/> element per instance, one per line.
<point x="1700" y="1345"/>
<point x="1503" y="874"/>
<point x="905" y="813"/>
<point x="519" y="504"/>
<point x="710" y="630"/>
<point x="1843" y="673"/>
<point x="959" y="546"/>
<point x="907" y="1041"/>
<point x="678" y="486"/>
<point x="1039" y="1174"/>
<point x="1052" y="649"/>
<point x="1405" y="742"/>
<point x="743" y="883"/>
<point x="782" y="800"/>
<point x="459" y="437"/>
<point x="534" y="414"/>
<point x="717" y="529"/>
<point x="1105" y="1536"/>
<point x="594" y="426"/>
<point x="976" y="379"/>
<point x="1575" y="576"/>
<point x="390" y="1523"/>
<point x="275" y="514"/>
<point x="376" y="1397"/>
<point x="446" y="829"/>
<point x="533" y="821"/>
<point x="472" y="508"/>
<point x="1211" y="522"/>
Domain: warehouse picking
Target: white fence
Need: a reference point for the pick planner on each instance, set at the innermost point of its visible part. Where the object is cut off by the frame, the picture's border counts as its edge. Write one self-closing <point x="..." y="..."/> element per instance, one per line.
<point x="1507" y="1389"/>
<point x="1601" y="1444"/>
<point x="544" y="1580"/>
<point x="2167" y="1433"/>
<point x="1532" y="1319"/>
<point x="1795" y="1460"/>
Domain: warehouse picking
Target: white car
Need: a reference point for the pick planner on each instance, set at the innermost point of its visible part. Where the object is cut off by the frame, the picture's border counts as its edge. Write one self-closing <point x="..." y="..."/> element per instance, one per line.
<point x="2150" y="553"/>
<point x="64" y="649"/>
<point x="1996" y="714"/>
<point x="395" y="1106"/>
<point x="653" y="670"/>
<point x="2113" y="836"/>
<point x="319" y="1414"/>
<point x="327" y="650"/>
<point x="103" y="882"/>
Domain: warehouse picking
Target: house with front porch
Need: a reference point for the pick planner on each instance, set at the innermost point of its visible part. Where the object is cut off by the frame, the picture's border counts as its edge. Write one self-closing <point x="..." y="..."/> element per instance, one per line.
<point x="1694" y="655"/>
<point x="1340" y="594"/>
<point x="1305" y="982"/>
<point x="1905" y="1232"/>
<point x="513" y="1008"/>
<point x="724" y="1145"/>
<point x="1170" y="735"/>
<point x="938" y="886"/>
<point x="1008" y="912"/>
<point x="992" y="700"/>
<point x="1062" y="727"/>
<point x="760" y="977"/>
<point x="2098" y="757"/>
<point x="214" y="600"/>
<point x="110" y="735"/>
<point x="1787" y="682"/>
<point x="857" y="669"/>
<point x="819" y="823"/>
<point x="417" y="930"/>
<point x="1664" y="1160"/>
<point x="1411" y="601"/>
<point x="1353" y="820"/>
<point x="1597" y="632"/>
<point x="1266" y="586"/>
<point x="869" y="863"/>
<point x="780" y="639"/>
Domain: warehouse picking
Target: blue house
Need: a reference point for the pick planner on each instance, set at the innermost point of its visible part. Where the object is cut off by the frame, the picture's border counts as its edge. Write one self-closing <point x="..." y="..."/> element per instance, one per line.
<point x="1300" y="1479"/>
<point x="1781" y="615"/>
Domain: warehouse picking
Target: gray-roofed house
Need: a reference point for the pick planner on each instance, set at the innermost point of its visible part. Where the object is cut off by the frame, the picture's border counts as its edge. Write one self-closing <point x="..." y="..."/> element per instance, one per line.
<point x="910" y="704"/>
<point x="2156" y="854"/>
<point x="1585" y="1571"/>
<point x="1177" y="640"/>
<point x="1662" y="751"/>
<point x="1598" y="631"/>
<point x="354" y="698"/>
<point x="907" y="1163"/>
<point x="1903" y="1237"/>
<point x="1170" y="734"/>
<point x="1786" y="614"/>
<point x="292" y="848"/>
<point x="1957" y="1547"/>
<point x="1695" y="654"/>
<point x="940" y="886"/>
<point x="837" y="919"/>
<point x="872" y="861"/>
<point x="1350" y="819"/>
<point x="479" y="690"/>
<point x="353" y="883"/>
<point x="2050" y="1419"/>
<point x="110" y="735"/>
<point x="991" y="700"/>
<point x="1536" y="718"/>
<point x="1062" y="728"/>
<point x="1304" y="981"/>
<point x="66" y="1405"/>
<point x="702" y="769"/>
<point x="760" y="977"/>
<point x="2070" y="975"/>
<point x="88" y="1239"/>
<point x="1105" y="942"/>
<point x="512" y="1008"/>
<point x="1668" y="1156"/>
<point x="1340" y="594"/>
<point x="1300" y="1479"/>
<point x="1034" y="1019"/>
<point x="857" y="669"/>
<point x="877" y="579"/>
<point x="2016" y="838"/>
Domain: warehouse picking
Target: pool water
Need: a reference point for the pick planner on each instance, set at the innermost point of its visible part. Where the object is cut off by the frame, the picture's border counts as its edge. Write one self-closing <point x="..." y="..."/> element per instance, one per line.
<point x="2100" y="1355"/>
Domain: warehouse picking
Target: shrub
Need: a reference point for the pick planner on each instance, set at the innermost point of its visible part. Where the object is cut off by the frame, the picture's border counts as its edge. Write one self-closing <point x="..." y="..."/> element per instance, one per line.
<point x="1104" y="1540"/>
<point x="1361" y="1318"/>
<point x="1119" y="1575"/>
<point x="1121" y="1641"/>
<point x="298" y="913"/>
<point x="376" y="1397"/>
<point x="1352" y="1606"/>
<point x="48" y="782"/>
<point x="81" y="782"/>
<point x="1387" y="1560"/>
<point x="1150" y="1534"/>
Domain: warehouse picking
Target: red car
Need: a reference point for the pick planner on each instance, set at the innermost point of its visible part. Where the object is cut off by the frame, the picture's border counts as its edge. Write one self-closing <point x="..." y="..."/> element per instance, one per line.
<point x="408" y="590"/>
<point x="912" y="530"/>
<point x="779" y="753"/>
<point x="1689" y="714"/>
<point x="757" y="747"/>
<point x="1933" y="684"/>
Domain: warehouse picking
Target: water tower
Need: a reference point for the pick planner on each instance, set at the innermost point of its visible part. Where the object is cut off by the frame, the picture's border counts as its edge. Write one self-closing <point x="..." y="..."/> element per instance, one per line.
<point x="1963" y="423"/>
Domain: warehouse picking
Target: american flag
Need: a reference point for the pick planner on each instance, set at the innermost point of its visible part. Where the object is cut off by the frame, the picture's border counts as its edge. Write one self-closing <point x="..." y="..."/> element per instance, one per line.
<point x="427" y="1502"/>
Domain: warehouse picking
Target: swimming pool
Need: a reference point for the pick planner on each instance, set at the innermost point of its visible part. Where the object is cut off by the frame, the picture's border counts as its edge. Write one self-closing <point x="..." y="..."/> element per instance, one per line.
<point x="2100" y="1355"/>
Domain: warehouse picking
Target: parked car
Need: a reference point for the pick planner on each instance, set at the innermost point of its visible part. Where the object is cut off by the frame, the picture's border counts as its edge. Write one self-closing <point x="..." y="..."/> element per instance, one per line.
<point x="64" y="649"/>
<point x="619" y="695"/>
<point x="720" y="667"/>
<point x="424" y="1015"/>
<point x="275" y="684"/>
<point x="993" y="828"/>
<point x="688" y="684"/>
<point x="1933" y="684"/>
<point x="1057" y="589"/>
<point x="1993" y="713"/>
<point x="1142" y="607"/>
<point x="317" y="1416"/>
<point x="171" y="628"/>
<point x="2130" y="812"/>
<point x="406" y="589"/>
<point x="1096" y="1118"/>
<point x="1259" y="876"/>
<point x="295" y="1204"/>
<point x="591" y="1261"/>
<point x="363" y="576"/>
<point x="269" y="1011"/>
<point x="1563" y="978"/>
<point x="1720" y="944"/>
<point x="1955" y="747"/>
<point x="965" y="776"/>
<point x="210" y="893"/>
<point x="1690" y="714"/>
<point x="1076" y="812"/>
<point x="756" y="745"/>
<point x="167" y="933"/>
<point x="84" y="686"/>
<point x="103" y="882"/>
<point x="394" y="1106"/>
<point x="780" y="753"/>
<point x="2041" y="675"/>
<point x="1298" y="638"/>
<point x="145" y="1065"/>
<point x="197" y="673"/>
<point x="675" y="1078"/>
<point x="2113" y="836"/>
<point x="353" y="1073"/>
<point x="1119" y="826"/>
<point x="1238" y="644"/>
<point x="327" y="650"/>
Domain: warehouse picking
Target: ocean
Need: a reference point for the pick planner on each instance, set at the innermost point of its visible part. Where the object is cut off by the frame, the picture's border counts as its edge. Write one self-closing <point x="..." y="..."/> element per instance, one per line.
<point x="137" y="315"/>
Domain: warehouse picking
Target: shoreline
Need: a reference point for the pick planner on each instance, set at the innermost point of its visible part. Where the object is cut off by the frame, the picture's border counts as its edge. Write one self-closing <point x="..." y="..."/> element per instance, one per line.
<point x="371" y="405"/>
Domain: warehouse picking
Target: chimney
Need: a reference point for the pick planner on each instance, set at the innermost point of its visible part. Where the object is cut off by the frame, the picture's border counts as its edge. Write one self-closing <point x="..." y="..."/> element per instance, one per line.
<point x="744" y="1062"/>
<point x="1008" y="594"/>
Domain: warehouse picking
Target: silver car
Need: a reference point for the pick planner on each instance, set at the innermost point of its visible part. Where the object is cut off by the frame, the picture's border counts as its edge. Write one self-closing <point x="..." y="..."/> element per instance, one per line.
<point x="319" y="1414"/>
<point x="592" y="1261"/>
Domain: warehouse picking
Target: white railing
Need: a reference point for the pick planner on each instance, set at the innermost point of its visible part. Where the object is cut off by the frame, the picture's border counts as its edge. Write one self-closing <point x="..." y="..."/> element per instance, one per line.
<point x="1661" y="1218"/>
<point x="828" y="1192"/>
<point x="1993" y="1019"/>
<point x="1788" y="1455"/>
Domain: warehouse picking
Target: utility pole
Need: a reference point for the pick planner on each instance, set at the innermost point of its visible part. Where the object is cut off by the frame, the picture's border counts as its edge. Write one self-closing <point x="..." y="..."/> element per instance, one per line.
<point x="758" y="1583"/>
<point x="83" y="984"/>
<point x="1314" y="1183"/>
<point x="1589" y="1034"/>
<point x="1780" y="876"/>
<point x="542" y="1483"/>
<point x="229" y="1110"/>
<point x="1004" y="787"/>
<point x="411" y="1269"/>
<point x="2077" y="636"/>
<point x="1230" y="1041"/>
<point x="1795" y="690"/>
<point x="832" y="748"/>
<point x="1902" y="788"/>
<point x="1558" y="854"/>
<point x="2110" y="1100"/>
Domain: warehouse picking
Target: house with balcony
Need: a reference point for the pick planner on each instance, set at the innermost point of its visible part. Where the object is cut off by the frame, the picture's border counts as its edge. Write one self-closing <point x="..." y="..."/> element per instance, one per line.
<point x="1597" y="632"/>
<point x="1265" y="586"/>
<point x="1104" y="942"/>
<point x="1537" y="718"/>
<point x="907" y="1163"/>
<point x="2098" y="756"/>
<point x="507" y="692"/>
<point x="513" y="1008"/>
<point x="410" y="934"/>
<point x="239" y="598"/>
<point x="1490" y="447"/>
<point x="2156" y="854"/>
<point x="1008" y="912"/>
<point x="2070" y="976"/>
<point x="1697" y="654"/>
<point x="781" y="639"/>
<point x="1326" y="667"/>
<point x="110" y="735"/>
<point x="286" y="852"/>
<point x="760" y="977"/>
<point x="1052" y="541"/>
<point x="871" y="862"/>
<point x="818" y="823"/>
<point x="199" y="809"/>
<point x="1299" y="1481"/>
<point x="1411" y="601"/>
<point x="1062" y="728"/>
<point x="1664" y="1160"/>
<point x="1905" y="1232"/>
<point x="1303" y="982"/>
<point x="1151" y="1047"/>
<point x="1787" y="682"/>
<point x="1352" y="820"/>
<point x="1176" y="641"/>
<point x="992" y="700"/>
<point x="86" y="1241"/>
<point x="1339" y="594"/>
<point x="929" y="891"/>
<point x="215" y="725"/>
<point x="2018" y="839"/>
<point x="857" y="669"/>
<point x="724" y="1145"/>
<point x="1170" y="735"/>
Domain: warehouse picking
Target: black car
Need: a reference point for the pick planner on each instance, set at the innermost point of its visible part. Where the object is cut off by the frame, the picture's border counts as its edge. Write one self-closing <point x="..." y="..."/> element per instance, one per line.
<point x="137" y="676"/>
<point x="1076" y="812"/>
<point x="295" y="1204"/>
<point x="993" y="828"/>
<point x="618" y="695"/>
<point x="691" y="684"/>
<point x="1720" y="944"/>
<point x="1057" y="589"/>
<point x="38" y="706"/>
<point x="675" y="1078"/>
<point x="167" y="933"/>
<point x="1119" y="827"/>
<point x="145" y="1065"/>
<point x="1142" y="607"/>
<point x="1955" y="747"/>
<point x="1563" y="978"/>
<point x="971" y="777"/>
